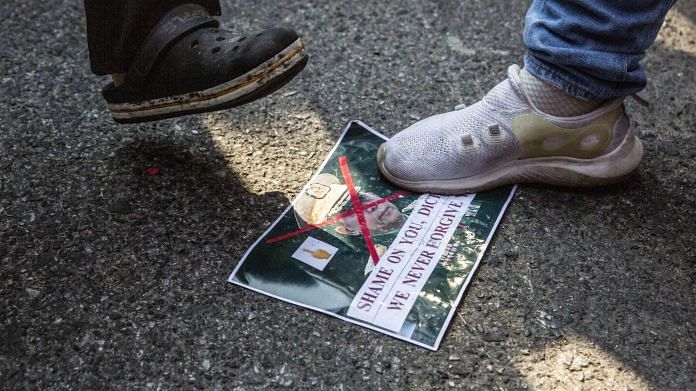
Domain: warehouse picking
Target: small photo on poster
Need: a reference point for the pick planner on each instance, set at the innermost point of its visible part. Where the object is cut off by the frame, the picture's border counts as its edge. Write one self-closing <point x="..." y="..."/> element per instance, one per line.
<point x="315" y="253"/>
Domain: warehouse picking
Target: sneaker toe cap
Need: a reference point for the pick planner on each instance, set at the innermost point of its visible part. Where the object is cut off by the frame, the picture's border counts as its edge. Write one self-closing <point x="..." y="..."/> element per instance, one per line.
<point x="415" y="155"/>
<point x="433" y="149"/>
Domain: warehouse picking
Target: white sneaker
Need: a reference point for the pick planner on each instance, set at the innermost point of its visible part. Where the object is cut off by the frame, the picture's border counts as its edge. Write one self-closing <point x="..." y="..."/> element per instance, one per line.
<point x="504" y="139"/>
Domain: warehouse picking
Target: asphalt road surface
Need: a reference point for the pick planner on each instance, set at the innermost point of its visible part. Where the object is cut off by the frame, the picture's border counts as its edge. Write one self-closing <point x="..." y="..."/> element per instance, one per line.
<point x="111" y="277"/>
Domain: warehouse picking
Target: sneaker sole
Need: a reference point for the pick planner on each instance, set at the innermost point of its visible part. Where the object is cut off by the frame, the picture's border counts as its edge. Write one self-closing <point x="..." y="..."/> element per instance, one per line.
<point x="558" y="171"/>
<point x="257" y="83"/>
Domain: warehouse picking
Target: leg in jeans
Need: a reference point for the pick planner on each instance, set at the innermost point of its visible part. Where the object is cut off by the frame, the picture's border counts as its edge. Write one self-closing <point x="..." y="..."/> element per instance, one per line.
<point x="591" y="49"/>
<point x="559" y="121"/>
<point x="117" y="28"/>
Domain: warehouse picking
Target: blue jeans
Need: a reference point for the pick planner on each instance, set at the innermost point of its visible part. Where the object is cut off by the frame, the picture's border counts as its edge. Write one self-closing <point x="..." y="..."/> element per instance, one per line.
<point x="592" y="49"/>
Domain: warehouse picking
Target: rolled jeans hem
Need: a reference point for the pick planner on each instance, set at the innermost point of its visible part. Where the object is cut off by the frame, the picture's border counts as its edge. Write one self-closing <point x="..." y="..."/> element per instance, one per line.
<point x="573" y="82"/>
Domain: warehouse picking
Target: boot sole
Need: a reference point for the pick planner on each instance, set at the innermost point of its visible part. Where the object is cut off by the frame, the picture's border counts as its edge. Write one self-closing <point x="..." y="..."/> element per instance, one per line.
<point x="558" y="171"/>
<point x="257" y="83"/>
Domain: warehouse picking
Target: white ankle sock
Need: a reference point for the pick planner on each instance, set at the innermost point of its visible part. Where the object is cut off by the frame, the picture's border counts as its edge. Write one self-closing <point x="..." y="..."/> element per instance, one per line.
<point x="553" y="101"/>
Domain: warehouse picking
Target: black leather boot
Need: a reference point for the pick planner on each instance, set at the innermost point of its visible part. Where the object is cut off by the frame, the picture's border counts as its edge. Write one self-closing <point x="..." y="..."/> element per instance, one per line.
<point x="188" y="65"/>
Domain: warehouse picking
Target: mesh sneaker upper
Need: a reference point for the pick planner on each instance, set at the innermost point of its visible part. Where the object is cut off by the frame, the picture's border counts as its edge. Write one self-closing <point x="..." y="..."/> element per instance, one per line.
<point x="433" y="149"/>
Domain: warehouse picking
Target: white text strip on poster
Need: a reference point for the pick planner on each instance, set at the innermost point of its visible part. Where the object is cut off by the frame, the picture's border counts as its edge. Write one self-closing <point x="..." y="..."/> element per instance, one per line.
<point x="393" y="312"/>
<point x="384" y="276"/>
<point x="420" y="243"/>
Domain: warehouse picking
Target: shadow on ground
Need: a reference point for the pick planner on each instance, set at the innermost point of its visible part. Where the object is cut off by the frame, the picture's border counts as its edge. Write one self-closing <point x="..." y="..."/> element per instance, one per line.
<point x="116" y="241"/>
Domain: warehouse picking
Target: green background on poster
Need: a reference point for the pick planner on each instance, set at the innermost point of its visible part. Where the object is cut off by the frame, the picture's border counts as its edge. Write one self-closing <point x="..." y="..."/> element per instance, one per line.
<point x="271" y="269"/>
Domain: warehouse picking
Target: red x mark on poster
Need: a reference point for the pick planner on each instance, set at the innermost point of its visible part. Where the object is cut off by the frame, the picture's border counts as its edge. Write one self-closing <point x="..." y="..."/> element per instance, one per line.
<point x="358" y="210"/>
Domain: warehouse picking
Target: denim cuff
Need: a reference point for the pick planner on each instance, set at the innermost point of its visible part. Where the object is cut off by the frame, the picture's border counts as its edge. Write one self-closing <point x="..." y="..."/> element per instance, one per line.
<point x="580" y="84"/>
<point x="565" y="80"/>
